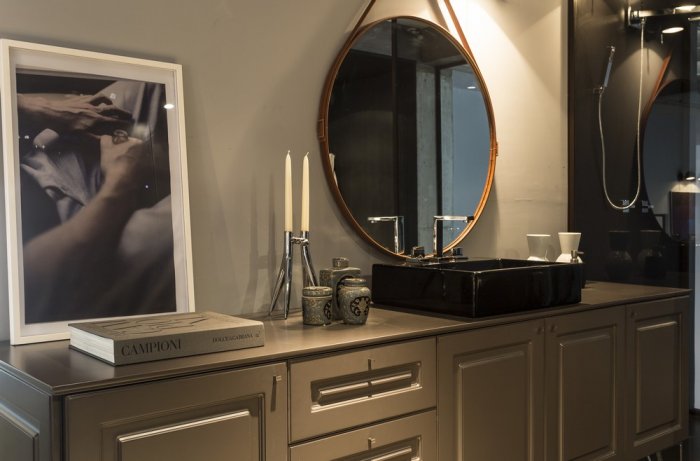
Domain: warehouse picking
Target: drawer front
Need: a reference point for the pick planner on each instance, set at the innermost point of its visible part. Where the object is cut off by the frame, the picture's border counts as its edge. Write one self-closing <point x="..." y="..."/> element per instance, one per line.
<point x="413" y="438"/>
<point x="341" y="391"/>
<point x="213" y="417"/>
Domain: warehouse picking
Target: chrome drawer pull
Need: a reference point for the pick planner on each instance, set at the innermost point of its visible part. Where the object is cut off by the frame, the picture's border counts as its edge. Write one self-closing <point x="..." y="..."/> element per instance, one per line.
<point x="183" y="426"/>
<point x="331" y="391"/>
<point x="392" y="379"/>
<point x="394" y="455"/>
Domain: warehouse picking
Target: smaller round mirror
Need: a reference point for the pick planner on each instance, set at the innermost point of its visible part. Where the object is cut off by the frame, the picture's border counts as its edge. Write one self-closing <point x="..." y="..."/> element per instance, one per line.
<point x="407" y="136"/>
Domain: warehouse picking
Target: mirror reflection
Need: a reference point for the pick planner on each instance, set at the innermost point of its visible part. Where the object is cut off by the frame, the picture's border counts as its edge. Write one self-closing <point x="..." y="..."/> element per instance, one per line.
<point x="408" y="135"/>
<point x="669" y="172"/>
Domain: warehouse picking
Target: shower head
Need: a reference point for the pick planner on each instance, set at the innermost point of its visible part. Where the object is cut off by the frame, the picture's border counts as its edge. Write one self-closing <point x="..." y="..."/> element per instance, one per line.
<point x="611" y="54"/>
<point x="601" y="89"/>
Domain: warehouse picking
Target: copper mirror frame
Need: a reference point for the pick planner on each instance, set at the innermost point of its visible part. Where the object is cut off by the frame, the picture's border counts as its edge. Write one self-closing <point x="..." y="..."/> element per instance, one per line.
<point x="323" y="127"/>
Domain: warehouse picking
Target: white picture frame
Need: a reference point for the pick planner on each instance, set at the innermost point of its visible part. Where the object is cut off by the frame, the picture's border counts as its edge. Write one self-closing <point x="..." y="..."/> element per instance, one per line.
<point x="91" y="195"/>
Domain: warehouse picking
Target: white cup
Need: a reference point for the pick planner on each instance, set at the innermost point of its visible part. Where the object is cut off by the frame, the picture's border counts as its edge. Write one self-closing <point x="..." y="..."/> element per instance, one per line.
<point x="537" y="245"/>
<point x="568" y="241"/>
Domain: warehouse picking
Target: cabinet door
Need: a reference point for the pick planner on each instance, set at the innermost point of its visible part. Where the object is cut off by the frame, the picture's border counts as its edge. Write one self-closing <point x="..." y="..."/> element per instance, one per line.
<point x="490" y="397"/>
<point x="239" y="414"/>
<point x="25" y="422"/>
<point x="412" y="438"/>
<point x="584" y="357"/>
<point x="657" y="375"/>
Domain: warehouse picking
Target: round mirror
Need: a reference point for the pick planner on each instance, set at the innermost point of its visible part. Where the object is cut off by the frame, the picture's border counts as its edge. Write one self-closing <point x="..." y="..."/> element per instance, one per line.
<point x="407" y="136"/>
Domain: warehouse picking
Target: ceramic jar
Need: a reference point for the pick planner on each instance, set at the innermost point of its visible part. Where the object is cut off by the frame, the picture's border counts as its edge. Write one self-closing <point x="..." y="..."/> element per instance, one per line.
<point x="316" y="305"/>
<point x="354" y="298"/>
<point x="332" y="277"/>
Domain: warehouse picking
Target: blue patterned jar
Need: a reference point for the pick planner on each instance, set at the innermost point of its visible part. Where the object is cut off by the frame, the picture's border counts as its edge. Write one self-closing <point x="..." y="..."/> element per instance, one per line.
<point x="316" y="305"/>
<point x="354" y="298"/>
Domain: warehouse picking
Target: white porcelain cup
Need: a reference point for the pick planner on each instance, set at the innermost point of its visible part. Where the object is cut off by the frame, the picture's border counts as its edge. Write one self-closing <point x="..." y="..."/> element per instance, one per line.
<point x="568" y="241"/>
<point x="537" y="245"/>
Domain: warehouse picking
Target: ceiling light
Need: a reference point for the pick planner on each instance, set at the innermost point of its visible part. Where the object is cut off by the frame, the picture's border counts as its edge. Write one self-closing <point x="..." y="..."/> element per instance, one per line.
<point x="672" y="30"/>
<point x="684" y="8"/>
<point x="169" y="106"/>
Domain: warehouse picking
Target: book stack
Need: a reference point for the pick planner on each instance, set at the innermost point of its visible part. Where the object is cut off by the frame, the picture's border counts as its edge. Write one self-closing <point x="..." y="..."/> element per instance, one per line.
<point x="143" y="339"/>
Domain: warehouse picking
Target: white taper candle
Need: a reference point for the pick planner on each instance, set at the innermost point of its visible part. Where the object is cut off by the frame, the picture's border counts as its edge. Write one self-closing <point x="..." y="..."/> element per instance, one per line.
<point x="305" y="195"/>
<point x="288" y="221"/>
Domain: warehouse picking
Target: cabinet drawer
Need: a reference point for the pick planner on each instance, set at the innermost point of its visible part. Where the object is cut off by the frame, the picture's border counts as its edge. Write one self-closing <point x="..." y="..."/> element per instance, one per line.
<point x="239" y="413"/>
<point x="411" y="438"/>
<point x="341" y="391"/>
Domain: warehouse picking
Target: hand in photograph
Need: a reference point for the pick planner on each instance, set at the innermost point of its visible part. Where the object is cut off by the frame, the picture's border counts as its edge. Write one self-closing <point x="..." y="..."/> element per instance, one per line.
<point x="65" y="113"/>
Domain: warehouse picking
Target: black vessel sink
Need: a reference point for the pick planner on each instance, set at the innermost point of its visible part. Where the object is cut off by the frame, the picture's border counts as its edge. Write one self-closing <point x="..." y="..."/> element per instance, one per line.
<point x="477" y="287"/>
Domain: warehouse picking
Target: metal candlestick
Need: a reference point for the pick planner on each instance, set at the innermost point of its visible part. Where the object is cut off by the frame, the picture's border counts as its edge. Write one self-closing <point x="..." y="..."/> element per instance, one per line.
<point x="307" y="265"/>
<point x="284" y="277"/>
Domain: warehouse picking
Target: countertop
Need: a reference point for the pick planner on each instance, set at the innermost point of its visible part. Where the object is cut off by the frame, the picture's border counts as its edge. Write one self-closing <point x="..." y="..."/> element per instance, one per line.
<point x="57" y="370"/>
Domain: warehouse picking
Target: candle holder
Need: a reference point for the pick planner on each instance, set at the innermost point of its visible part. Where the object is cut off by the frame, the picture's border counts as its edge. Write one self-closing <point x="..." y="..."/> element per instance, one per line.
<point x="284" y="277"/>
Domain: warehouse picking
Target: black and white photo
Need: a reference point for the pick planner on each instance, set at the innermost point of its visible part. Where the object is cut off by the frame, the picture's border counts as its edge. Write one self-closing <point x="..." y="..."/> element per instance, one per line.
<point x="95" y="188"/>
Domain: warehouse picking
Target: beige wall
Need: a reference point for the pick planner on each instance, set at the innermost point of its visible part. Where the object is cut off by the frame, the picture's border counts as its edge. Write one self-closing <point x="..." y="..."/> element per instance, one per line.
<point x="253" y="78"/>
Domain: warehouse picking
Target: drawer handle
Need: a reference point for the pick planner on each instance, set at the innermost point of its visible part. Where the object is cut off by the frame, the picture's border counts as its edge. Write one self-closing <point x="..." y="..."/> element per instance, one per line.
<point x="331" y="391"/>
<point x="394" y="455"/>
<point x="184" y="426"/>
<point x="392" y="379"/>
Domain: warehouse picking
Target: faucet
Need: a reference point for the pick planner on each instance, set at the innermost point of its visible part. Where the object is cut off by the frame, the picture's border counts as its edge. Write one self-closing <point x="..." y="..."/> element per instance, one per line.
<point x="398" y="230"/>
<point x="437" y="248"/>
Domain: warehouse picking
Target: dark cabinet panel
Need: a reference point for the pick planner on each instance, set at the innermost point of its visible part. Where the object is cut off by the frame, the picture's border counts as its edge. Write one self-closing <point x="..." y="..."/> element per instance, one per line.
<point x="26" y="432"/>
<point x="490" y="394"/>
<point x="657" y="375"/>
<point x="584" y="363"/>
<point x="19" y="441"/>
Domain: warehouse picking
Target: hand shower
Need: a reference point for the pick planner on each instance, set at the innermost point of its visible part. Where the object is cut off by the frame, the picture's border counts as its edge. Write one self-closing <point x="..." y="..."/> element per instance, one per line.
<point x="599" y="91"/>
<point x="608" y="69"/>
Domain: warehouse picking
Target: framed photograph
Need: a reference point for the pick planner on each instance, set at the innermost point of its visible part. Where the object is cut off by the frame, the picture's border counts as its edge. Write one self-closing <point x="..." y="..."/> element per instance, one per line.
<point x="96" y="199"/>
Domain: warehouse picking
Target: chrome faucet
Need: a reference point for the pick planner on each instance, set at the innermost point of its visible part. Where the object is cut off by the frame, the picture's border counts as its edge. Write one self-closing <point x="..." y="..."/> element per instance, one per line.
<point x="398" y="230"/>
<point x="437" y="248"/>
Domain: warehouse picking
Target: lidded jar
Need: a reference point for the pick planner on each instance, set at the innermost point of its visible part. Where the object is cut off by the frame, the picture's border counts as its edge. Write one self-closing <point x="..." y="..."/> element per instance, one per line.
<point x="354" y="298"/>
<point x="316" y="305"/>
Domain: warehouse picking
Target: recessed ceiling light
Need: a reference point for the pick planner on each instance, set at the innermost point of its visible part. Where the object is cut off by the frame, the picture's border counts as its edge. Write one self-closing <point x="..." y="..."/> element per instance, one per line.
<point x="169" y="106"/>
<point x="672" y="30"/>
<point x="684" y="8"/>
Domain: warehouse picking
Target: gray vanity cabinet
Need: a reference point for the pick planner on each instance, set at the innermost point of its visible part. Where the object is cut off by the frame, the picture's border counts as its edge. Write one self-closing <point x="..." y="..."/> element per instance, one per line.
<point x="606" y="379"/>
<point x="490" y="394"/>
<point x="657" y="375"/>
<point x="499" y="385"/>
<point x="210" y="416"/>
<point x="584" y="363"/>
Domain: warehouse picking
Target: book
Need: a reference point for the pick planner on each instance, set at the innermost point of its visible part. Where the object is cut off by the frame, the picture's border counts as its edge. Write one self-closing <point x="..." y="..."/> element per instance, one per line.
<point x="155" y="337"/>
